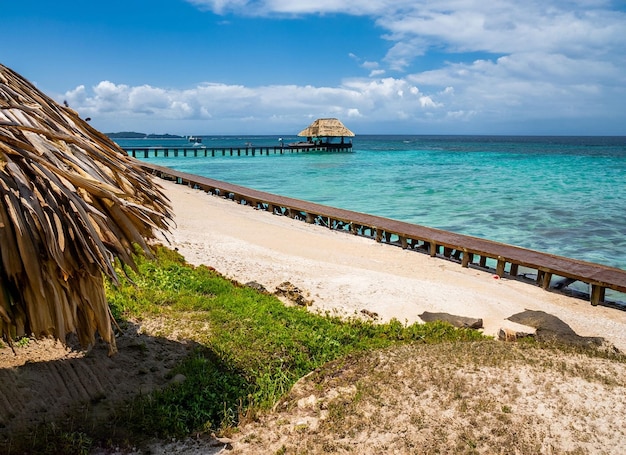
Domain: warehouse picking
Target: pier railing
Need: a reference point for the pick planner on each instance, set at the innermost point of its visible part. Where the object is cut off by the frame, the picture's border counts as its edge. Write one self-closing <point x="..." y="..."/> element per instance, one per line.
<point x="469" y="251"/>
<point x="250" y="150"/>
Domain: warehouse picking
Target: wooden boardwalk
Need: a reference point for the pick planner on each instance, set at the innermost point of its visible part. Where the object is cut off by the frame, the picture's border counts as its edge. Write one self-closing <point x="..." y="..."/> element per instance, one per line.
<point x="182" y="151"/>
<point x="467" y="250"/>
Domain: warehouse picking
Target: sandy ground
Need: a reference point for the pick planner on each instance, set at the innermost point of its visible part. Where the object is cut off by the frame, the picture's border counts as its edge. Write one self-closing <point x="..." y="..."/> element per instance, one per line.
<point x="423" y="399"/>
<point x="345" y="274"/>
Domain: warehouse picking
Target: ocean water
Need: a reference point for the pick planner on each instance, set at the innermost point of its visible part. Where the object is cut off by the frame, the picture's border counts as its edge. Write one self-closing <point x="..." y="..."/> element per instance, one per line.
<point x="561" y="195"/>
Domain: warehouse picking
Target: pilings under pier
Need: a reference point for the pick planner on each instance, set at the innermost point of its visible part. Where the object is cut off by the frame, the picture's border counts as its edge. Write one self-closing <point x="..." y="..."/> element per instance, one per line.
<point x="165" y="152"/>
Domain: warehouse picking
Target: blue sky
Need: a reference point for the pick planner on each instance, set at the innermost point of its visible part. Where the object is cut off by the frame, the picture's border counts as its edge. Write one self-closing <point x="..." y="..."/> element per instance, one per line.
<point x="381" y="66"/>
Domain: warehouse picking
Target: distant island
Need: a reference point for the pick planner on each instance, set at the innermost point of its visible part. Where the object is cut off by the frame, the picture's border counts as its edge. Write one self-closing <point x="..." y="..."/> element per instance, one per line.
<point x="135" y="135"/>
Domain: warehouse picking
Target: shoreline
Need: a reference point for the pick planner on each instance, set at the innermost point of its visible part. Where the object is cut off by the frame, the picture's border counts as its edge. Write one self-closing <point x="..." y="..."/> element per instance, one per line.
<point x="345" y="274"/>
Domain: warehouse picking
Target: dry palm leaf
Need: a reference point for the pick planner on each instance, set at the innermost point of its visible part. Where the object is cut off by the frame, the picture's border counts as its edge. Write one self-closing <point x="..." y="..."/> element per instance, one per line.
<point x="71" y="201"/>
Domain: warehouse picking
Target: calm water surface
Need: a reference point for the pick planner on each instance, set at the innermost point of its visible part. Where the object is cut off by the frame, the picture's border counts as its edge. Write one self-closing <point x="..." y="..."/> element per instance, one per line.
<point x="562" y="195"/>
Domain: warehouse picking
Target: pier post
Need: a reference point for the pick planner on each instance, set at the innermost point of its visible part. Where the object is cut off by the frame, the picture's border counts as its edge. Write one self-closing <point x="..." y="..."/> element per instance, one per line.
<point x="500" y="266"/>
<point x="597" y="294"/>
<point x="547" y="277"/>
<point x="540" y="274"/>
<point x="467" y="258"/>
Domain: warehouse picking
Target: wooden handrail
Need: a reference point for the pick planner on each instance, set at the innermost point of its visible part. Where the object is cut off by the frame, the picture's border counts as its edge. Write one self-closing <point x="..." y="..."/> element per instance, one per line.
<point x="463" y="248"/>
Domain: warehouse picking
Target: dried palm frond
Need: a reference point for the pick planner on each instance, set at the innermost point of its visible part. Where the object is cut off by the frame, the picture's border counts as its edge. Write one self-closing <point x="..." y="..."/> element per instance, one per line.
<point x="71" y="201"/>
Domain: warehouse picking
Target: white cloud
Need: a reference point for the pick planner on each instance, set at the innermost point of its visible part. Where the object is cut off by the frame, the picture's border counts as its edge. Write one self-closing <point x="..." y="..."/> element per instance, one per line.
<point x="538" y="59"/>
<point x="114" y="105"/>
<point x="377" y="73"/>
<point x="426" y="101"/>
<point x="567" y="27"/>
<point x="269" y="7"/>
<point x="370" y="65"/>
<point x="480" y="93"/>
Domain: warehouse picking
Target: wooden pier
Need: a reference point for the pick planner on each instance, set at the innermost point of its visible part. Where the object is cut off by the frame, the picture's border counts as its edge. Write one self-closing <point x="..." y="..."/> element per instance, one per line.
<point x="469" y="251"/>
<point x="182" y="151"/>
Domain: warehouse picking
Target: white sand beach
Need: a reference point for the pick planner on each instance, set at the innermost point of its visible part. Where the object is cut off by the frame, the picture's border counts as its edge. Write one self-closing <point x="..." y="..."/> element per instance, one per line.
<point x="344" y="274"/>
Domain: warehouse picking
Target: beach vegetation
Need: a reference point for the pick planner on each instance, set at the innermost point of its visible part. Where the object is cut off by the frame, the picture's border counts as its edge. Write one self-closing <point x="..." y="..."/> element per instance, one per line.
<point x="22" y="342"/>
<point x="248" y="353"/>
<point x="251" y="347"/>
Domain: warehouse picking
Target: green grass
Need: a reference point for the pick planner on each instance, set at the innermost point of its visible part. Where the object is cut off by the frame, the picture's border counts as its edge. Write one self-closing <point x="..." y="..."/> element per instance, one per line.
<point x="253" y="347"/>
<point x="251" y="350"/>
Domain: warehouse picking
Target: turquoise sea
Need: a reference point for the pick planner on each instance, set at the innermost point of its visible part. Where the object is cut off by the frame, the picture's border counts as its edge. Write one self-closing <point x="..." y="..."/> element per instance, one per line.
<point x="562" y="195"/>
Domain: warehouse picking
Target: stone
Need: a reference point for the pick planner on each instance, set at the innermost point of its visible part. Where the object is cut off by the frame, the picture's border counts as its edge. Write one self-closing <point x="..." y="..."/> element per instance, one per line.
<point x="178" y="379"/>
<point x="293" y="294"/>
<point x="551" y="328"/>
<point x="307" y="402"/>
<point x="258" y="286"/>
<point x="369" y="313"/>
<point x="505" y="334"/>
<point x="456" y="321"/>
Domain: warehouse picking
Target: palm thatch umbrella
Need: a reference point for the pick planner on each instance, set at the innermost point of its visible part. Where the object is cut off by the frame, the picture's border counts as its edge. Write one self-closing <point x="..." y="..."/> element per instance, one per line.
<point x="326" y="127"/>
<point x="71" y="201"/>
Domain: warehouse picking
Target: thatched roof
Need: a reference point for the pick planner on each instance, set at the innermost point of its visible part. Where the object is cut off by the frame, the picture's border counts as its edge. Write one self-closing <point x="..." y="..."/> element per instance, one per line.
<point x="326" y="127"/>
<point x="71" y="202"/>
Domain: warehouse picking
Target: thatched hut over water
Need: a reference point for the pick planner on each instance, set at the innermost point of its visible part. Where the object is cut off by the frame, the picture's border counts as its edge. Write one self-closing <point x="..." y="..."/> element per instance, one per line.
<point x="322" y="133"/>
<point x="326" y="127"/>
<point x="71" y="201"/>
